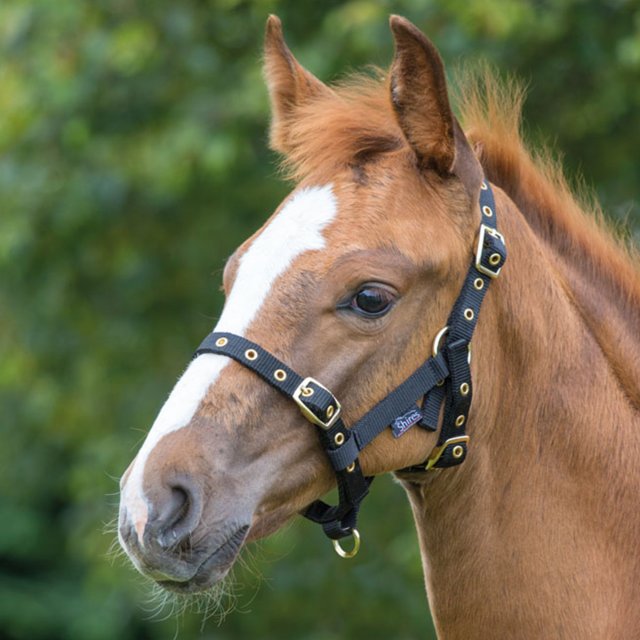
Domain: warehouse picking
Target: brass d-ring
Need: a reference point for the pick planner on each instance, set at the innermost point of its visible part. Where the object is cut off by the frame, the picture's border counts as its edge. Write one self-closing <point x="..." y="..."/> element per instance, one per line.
<point x="356" y="546"/>
<point x="437" y="339"/>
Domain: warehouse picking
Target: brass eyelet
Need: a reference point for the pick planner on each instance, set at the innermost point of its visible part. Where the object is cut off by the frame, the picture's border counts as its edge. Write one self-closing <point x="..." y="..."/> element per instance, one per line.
<point x="487" y="211"/>
<point x="459" y="421"/>
<point x="468" y="314"/>
<point x="458" y="451"/>
<point x="339" y="438"/>
<point x="251" y="354"/>
<point x="307" y="392"/>
<point x="280" y="375"/>
<point x="330" y="411"/>
<point x="484" y="186"/>
<point x="478" y="283"/>
<point x="494" y="259"/>
<point x="221" y="342"/>
<point x="351" y="468"/>
<point x="464" y="388"/>
<point x="439" y="383"/>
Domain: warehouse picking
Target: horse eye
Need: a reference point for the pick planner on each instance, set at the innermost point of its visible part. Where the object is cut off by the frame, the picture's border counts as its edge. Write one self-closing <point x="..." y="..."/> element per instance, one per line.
<point x="372" y="302"/>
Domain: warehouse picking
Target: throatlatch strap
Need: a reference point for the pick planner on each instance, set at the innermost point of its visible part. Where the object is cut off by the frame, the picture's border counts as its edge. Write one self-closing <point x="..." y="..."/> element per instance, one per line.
<point x="446" y="376"/>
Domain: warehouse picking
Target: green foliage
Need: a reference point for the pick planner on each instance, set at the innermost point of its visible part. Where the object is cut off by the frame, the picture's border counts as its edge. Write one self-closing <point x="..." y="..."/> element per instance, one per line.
<point x="133" y="160"/>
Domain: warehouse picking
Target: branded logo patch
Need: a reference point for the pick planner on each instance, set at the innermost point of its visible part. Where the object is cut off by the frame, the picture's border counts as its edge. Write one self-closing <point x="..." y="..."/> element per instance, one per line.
<point x="403" y="423"/>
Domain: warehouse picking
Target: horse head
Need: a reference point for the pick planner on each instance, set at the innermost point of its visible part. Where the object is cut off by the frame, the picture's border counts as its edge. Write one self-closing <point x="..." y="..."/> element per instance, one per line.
<point x="348" y="282"/>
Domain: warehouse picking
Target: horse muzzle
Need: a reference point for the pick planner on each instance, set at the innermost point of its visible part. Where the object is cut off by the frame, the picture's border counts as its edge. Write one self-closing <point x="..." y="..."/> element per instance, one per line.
<point x="176" y="547"/>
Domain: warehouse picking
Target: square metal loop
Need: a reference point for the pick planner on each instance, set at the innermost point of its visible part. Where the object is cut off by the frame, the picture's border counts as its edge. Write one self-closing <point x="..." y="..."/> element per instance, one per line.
<point x="310" y="415"/>
<point x="483" y="268"/>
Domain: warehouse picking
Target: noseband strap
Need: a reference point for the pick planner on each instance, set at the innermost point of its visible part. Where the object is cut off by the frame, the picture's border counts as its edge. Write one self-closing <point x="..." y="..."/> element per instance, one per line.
<point x="445" y="377"/>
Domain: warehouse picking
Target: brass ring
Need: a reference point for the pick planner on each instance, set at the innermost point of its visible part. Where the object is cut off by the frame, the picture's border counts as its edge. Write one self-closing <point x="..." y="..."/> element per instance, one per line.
<point x="251" y="354"/>
<point x="478" y="283"/>
<point x="221" y="342"/>
<point x="487" y="211"/>
<point x="468" y="314"/>
<point x="306" y="391"/>
<point x="484" y="186"/>
<point x="351" y="468"/>
<point x="494" y="259"/>
<point x="459" y="421"/>
<point x="339" y="438"/>
<point x="356" y="546"/>
<point x="458" y="451"/>
<point x="464" y="388"/>
<point x="280" y="374"/>
<point x="330" y="411"/>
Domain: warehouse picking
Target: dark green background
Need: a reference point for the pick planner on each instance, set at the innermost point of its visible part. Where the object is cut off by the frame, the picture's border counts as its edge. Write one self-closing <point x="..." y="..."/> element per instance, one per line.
<point x="133" y="159"/>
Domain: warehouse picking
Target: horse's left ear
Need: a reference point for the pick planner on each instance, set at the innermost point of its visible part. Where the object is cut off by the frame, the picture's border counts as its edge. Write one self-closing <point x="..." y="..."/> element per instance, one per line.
<point x="421" y="103"/>
<point x="290" y="84"/>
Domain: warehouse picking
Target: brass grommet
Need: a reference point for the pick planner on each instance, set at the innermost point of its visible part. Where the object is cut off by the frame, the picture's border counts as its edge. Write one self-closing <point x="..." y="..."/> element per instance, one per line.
<point x="487" y="211"/>
<point x="280" y="374"/>
<point x="494" y="259"/>
<point x="484" y="186"/>
<point x="478" y="283"/>
<point x="468" y="314"/>
<point x="459" y="421"/>
<point x="439" y="383"/>
<point x="306" y="392"/>
<point x="221" y="342"/>
<point x="339" y="438"/>
<point x="251" y="354"/>
<point x="458" y="451"/>
<point x="351" y="467"/>
<point x="464" y="388"/>
<point x="330" y="411"/>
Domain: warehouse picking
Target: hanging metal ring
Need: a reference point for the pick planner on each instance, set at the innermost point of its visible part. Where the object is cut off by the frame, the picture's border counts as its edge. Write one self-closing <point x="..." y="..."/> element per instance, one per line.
<point x="356" y="546"/>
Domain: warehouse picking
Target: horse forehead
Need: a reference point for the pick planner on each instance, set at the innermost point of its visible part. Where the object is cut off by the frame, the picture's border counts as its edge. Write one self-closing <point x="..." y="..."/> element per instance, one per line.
<point x="297" y="226"/>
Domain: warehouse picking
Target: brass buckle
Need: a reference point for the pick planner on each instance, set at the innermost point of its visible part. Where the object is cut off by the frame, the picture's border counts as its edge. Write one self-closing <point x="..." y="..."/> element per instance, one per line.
<point x="436" y="452"/>
<point x="484" y="229"/>
<point x="307" y="413"/>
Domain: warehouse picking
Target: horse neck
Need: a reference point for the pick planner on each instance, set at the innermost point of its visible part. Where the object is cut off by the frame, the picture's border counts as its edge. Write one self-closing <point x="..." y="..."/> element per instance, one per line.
<point x="546" y="504"/>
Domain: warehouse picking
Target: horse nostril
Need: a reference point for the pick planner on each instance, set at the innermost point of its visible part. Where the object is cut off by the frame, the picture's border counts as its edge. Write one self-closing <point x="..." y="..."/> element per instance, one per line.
<point x="177" y="516"/>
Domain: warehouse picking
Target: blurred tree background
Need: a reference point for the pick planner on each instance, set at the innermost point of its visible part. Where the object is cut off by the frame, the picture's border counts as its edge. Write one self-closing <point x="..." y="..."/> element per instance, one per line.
<point x="133" y="160"/>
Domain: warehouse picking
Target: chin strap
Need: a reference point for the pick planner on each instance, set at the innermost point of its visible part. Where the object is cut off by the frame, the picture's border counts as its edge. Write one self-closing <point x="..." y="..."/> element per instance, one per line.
<point x="445" y="377"/>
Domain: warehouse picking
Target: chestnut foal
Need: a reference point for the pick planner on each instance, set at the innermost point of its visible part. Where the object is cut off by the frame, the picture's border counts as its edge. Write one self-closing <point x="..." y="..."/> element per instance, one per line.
<point x="389" y="236"/>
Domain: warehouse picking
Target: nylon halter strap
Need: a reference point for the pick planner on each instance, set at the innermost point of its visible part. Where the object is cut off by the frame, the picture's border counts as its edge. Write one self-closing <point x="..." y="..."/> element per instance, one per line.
<point x="445" y="377"/>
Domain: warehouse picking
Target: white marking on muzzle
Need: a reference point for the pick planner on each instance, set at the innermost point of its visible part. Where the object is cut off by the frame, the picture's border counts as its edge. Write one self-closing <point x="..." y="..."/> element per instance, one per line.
<point x="297" y="228"/>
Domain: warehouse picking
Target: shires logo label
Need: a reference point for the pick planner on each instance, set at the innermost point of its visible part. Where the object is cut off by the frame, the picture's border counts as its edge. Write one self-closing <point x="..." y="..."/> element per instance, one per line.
<point x="404" y="422"/>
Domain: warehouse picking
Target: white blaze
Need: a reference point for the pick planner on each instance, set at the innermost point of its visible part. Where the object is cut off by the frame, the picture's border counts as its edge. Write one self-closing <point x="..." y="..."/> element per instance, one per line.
<point x="296" y="229"/>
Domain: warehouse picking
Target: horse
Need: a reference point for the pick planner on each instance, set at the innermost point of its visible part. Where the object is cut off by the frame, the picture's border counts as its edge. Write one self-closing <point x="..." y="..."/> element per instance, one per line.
<point x="351" y="282"/>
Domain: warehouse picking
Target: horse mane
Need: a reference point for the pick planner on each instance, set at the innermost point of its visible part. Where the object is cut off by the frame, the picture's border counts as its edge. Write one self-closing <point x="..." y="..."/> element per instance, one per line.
<point x="355" y="122"/>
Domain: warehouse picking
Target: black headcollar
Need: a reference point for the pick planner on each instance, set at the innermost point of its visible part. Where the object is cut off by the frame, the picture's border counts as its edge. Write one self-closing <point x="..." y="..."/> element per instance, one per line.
<point x="444" y="377"/>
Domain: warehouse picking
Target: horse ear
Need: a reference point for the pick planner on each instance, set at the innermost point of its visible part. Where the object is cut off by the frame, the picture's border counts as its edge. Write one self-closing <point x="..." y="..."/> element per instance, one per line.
<point x="419" y="97"/>
<point x="290" y="84"/>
